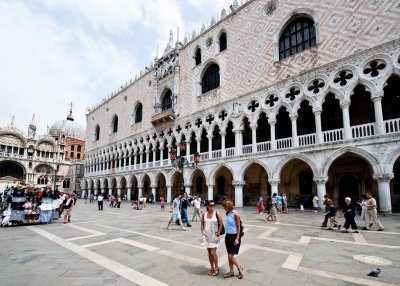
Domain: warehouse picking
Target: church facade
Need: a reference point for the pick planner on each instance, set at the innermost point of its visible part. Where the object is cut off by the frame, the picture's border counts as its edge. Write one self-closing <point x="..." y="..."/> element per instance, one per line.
<point x="295" y="97"/>
<point x="53" y="160"/>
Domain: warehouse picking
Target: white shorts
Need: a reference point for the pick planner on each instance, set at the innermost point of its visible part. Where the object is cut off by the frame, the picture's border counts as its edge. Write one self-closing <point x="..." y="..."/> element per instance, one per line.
<point x="176" y="215"/>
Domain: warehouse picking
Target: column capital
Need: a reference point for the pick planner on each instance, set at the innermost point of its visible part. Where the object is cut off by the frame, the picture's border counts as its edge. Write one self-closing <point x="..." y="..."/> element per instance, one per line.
<point x="320" y="180"/>
<point x="210" y="185"/>
<point x="345" y="103"/>
<point x="188" y="185"/>
<point x="381" y="178"/>
<point x="377" y="96"/>
<point x="238" y="183"/>
<point x="317" y="110"/>
<point x="169" y="186"/>
<point x="293" y="117"/>
<point x="222" y="133"/>
<point x="153" y="186"/>
<point x="274" y="182"/>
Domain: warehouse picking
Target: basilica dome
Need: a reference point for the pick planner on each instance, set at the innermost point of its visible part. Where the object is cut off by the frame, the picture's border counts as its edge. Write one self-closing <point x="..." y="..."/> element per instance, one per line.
<point x="68" y="127"/>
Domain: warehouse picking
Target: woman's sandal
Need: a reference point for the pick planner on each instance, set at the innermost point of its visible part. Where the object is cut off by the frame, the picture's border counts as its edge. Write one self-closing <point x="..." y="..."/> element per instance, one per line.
<point x="215" y="272"/>
<point x="229" y="274"/>
<point x="241" y="274"/>
<point x="211" y="272"/>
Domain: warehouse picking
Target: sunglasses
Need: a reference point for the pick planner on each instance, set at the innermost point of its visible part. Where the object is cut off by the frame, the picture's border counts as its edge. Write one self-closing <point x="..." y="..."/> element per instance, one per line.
<point x="211" y="205"/>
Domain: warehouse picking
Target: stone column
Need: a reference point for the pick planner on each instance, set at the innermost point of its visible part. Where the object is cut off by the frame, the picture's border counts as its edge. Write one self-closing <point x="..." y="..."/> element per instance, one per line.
<point x="119" y="191"/>
<point x="169" y="193"/>
<point x="346" y="120"/>
<point x="318" y="127"/>
<point x="109" y="191"/>
<point x="103" y="191"/>
<point x="272" y="123"/>
<point x="274" y="186"/>
<point x="147" y="158"/>
<point x="254" y="138"/>
<point x="238" y="185"/>
<point x="295" y="140"/>
<point x="140" y="190"/>
<point x="83" y="193"/>
<point x="134" y="160"/>
<point x="161" y="156"/>
<point x="385" y="203"/>
<point x="210" y="137"/>
<point x="379" y="124"/>
<point x="153" y="191"/>
<point x="128" y="194"/>
<point x="238" y="141"/>
<point x="210" y="193"/>
<point x="222" y="134"/>
<point x="188" y="151"/>
<point x="321" y="190"/>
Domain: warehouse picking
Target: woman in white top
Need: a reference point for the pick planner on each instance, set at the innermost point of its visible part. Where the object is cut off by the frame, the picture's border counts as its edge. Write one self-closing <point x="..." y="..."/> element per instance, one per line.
<point x="211" y="227"/>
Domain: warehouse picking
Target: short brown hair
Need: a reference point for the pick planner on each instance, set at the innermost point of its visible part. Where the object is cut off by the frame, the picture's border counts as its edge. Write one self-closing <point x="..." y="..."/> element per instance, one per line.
<point x="227" y="204"/>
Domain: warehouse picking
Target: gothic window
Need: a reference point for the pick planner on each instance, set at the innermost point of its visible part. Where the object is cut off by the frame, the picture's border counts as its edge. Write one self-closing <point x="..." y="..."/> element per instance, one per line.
<point x="167" y="101"/>
<point x="72" y="148"/>
<point x="222" y="42"/>
<point x="197" y="57"/>
<point x="139" y="113"/>
<point x="97" y="133"/>
<point x="79" y="148"/>
<point x="299" y="35"/>
<point x="72" y="155"/>
<point x="210" y="78"/>
<point x="78" y="156"/>
<point x="114" y="126"/>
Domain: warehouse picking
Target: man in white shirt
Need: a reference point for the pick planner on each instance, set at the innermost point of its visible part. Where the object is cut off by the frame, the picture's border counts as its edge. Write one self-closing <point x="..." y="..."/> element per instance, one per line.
<point x="100" y="199"/>
<point x="196" y="202"/>
<point x="371" y="217"/>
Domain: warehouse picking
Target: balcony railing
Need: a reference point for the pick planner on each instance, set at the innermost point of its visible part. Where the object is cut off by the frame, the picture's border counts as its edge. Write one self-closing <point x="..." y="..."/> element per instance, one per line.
<point x="337" y="135"/>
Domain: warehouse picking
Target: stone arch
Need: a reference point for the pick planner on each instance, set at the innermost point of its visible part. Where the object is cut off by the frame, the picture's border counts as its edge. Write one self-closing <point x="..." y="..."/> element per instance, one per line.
<point x="242" y="170"/>
<point x="276" y="174"/>
<point x="211" y="176"/>
<point x="390" y="161"/>
<point x="206" y="65"/>
<point x="371" y="160"/>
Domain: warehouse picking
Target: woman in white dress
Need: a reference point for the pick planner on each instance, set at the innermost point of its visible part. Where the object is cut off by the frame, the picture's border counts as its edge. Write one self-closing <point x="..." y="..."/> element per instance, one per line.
<point x="211" y="227"/>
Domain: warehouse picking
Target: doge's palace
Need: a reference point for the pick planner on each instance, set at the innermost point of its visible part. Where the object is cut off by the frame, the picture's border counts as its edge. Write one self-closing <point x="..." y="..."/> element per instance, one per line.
<point x="279" y="96"/>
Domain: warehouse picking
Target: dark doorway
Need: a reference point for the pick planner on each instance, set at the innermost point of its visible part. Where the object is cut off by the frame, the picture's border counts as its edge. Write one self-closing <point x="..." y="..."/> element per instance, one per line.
<point x="348" y="187"/>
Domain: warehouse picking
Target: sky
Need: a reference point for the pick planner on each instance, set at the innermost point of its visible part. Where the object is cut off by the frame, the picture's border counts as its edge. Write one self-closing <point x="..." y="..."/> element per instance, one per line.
<point x="54" y="52"/>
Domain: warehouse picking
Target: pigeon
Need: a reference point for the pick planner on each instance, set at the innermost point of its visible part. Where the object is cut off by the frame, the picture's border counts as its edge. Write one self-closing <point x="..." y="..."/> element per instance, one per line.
<point x="375" y="272"/>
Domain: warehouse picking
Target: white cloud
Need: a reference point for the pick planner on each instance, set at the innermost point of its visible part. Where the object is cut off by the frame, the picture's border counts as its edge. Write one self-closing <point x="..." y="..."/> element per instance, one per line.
<point x="57" y="51"/>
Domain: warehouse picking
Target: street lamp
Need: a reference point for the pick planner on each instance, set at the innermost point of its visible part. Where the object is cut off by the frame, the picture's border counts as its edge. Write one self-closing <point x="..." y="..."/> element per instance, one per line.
<point x="180" y="162"/>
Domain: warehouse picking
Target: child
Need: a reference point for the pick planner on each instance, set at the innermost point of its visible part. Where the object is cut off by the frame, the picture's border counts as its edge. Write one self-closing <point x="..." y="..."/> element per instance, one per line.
<point x="331" y="218"/>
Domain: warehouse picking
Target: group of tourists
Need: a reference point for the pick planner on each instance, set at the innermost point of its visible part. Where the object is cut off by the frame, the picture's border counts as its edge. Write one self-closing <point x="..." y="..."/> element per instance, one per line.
<point x="368" y="214"/>
<point x="212" y="228"/>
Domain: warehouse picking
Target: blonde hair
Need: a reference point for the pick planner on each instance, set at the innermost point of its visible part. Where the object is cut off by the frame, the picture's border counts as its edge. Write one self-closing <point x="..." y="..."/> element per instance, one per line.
<point x="227" y="204"/>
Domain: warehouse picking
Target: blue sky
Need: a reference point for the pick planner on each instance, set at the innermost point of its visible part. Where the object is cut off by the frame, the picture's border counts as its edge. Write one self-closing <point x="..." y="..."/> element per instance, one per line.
<point x="54" y="52"/>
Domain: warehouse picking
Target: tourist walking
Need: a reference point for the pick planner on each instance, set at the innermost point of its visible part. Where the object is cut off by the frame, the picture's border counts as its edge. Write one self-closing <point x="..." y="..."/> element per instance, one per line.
<point x="279" y="203"/>
<point x="371" y="216"/>
<point x="176" y="212"/>
<point x="260" y="204"/>
<point x="284" y="203"/>
<point x="196" y="206"/>
<point x="111" y="198"/>
<point x="349" y="213"/>
<point x="272" y="215"/>
<point x="100" y="200"/>
<point x="162" y="203"/>
<point x="211" y="228"/>
<point x="184" y="205"/>
<point x="232" y="238"/>
<point x="315" y="203"/>
<point x="327" y="203"/>
<point x="91" y="198"/>
<point x="68" y="204"/>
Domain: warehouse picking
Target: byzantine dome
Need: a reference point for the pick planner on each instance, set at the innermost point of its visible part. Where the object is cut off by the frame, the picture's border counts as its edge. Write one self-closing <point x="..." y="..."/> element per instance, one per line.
<point x="68" y="127"/>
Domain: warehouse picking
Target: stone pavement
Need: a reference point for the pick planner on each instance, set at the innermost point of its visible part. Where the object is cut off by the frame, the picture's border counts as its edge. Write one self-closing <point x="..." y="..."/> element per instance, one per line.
<point x="133" y="247"/>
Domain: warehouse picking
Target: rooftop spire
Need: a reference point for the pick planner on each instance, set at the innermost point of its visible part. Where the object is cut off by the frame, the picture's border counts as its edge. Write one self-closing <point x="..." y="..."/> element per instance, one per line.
<point x="33" y="122"/>
<point x="70" y="116"/>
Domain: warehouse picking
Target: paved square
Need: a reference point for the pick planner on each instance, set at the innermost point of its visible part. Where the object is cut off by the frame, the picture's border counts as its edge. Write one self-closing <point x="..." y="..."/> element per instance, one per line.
<point x="133" y="247"/>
